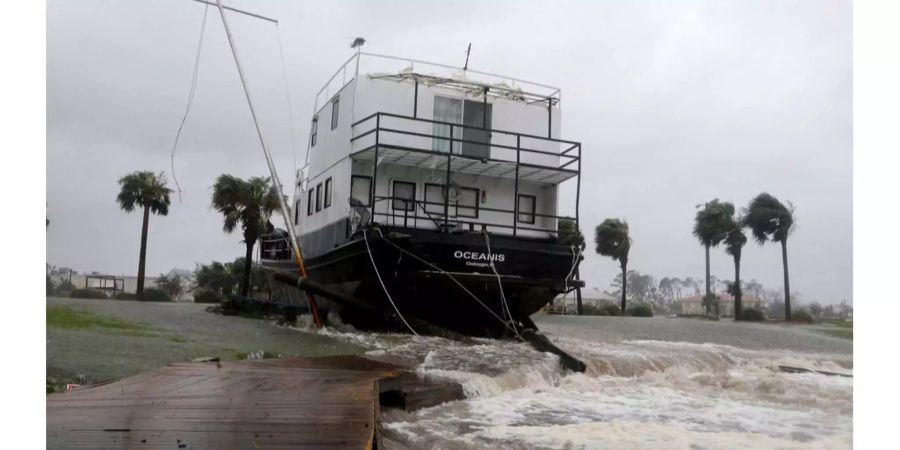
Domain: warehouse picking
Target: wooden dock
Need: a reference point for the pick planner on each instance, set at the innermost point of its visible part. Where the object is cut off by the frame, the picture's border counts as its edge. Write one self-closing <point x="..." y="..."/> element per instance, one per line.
<point x="330" y="402"/>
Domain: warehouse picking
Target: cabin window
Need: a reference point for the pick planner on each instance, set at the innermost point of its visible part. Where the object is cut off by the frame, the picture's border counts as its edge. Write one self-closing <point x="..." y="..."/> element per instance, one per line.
<point x="318" y="197"/>
<point x="361" y="188"/>
<point x="335" y="112"/>
<point x="404" y="196"/>
<point x="526" y="208"/>
<point x="328" y="192"/>
<point x="297" y="213"/>
<point x="447" y="110"/>
<point x="314" y="132"/>
<point x="434" y="198"/>
<point x="467" y="204"/>
<point x="309" y="202"/>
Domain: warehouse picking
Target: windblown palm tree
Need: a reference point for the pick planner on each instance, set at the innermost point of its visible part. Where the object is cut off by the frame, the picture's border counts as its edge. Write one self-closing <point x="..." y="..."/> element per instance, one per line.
<point x="711" y="225"/>
<point x="769" y="219"/>
<point x="611" y="238"/>
<point x="247" y="204"/>
<point x="146" y="190"/>
<point x="734" y="242"/>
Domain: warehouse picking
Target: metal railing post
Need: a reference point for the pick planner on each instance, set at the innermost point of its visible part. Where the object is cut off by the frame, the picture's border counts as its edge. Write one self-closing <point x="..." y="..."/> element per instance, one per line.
<point x="516" y="192"/>
<point x="447" y="184"/>
<point x="375" y="169"/>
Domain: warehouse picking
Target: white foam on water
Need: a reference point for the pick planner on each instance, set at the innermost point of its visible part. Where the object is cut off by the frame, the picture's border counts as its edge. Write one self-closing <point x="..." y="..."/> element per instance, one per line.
<point x="635" y="394"/>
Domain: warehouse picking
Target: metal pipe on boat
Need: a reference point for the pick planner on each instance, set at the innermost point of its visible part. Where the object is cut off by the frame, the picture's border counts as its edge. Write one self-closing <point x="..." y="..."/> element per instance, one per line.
<point x="282" y="206"/>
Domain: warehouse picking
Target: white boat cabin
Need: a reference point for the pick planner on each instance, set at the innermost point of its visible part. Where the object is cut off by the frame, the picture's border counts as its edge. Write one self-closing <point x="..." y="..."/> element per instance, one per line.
<point x="390" y="133"/>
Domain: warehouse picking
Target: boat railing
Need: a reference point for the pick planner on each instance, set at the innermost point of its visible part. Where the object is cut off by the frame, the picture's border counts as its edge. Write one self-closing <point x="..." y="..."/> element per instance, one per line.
<point x="407" y="213"/>
<point x="275" y="247"/>
<point x="427" y="137"/>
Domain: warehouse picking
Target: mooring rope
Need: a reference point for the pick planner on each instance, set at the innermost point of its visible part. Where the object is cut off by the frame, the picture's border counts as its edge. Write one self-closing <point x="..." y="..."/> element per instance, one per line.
<point x="449" y="275"/>
<point x="190" y="98"/>
<point x="487" y="241"/>
<point x="377" y="274"/>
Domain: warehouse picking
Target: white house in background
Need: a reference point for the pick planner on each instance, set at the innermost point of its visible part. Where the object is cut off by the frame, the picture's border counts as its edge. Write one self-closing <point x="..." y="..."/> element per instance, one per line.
<point x="693" y="306"/>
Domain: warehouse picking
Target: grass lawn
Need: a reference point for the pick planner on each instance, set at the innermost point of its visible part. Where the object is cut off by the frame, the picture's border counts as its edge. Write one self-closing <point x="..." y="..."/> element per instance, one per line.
<point x="838" y="328"/>
<point x="66" y="317"/>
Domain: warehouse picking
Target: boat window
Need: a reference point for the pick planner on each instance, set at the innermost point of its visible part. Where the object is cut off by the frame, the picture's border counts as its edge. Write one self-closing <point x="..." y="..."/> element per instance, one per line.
<point x="309" y="202"/>
<point x="404" y="196"/>
<point x="434" y="198"/>
<point x="526" y="208"/>
<point x="314" y="132"/>
<point x="334" y="112"/>
<point x="328" y="192"/>
<point x="361" y="188"/>
<point x="297" y="213"/>
<point x="448" y="110"/>
<point x="467" y="205"/>
<point x="318" y="197"/>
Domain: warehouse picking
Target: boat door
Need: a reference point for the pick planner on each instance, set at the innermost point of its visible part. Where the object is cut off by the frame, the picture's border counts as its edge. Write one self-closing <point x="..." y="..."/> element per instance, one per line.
<point x="478" y="115"/>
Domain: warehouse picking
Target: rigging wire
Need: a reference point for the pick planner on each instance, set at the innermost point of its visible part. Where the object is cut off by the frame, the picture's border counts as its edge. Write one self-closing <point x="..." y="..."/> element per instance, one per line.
<point x="374" y="266"/>
<point x="190" y="100"/>
<point x="290" y="108"/>
<point x="448" y="274"/>
<point x="487" y="241"/>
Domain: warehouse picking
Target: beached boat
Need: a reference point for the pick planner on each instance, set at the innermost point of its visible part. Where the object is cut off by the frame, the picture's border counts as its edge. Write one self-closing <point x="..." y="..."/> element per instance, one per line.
<point x="433" y="193"/>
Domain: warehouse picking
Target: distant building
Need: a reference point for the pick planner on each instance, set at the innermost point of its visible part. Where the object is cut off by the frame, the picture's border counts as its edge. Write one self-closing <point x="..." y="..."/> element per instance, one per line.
<point x="693" y="306"/>
<point x="115" y="284"/>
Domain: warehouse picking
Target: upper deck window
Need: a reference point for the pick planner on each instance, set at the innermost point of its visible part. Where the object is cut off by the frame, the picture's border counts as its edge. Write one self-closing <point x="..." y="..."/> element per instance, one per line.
<point x="335" y="111"/>
<point x="328" y="192"/>
<point x="318" y="197"/>
<point x="526" y="208"/>
<point x="314" y="132"/>
<point x="361" y="188"/>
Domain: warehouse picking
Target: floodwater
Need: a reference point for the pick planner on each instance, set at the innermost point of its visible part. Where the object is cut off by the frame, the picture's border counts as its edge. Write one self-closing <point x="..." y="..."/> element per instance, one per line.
<point x="636" y="393"/>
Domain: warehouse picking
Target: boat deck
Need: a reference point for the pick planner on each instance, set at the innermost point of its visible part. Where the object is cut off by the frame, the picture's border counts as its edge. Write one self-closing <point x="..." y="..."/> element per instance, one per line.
<point x="329" y="402"/>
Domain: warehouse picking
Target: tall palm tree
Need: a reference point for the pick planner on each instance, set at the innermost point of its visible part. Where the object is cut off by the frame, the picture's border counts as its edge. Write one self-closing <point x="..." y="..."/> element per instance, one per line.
<point x="734" y="242"/>
<point x="611" y="238"/>
<point x="769" y="219"/>
<point x="711" y="225"/>
<point x="247" y="204"/>
<point x="146" y="190"/>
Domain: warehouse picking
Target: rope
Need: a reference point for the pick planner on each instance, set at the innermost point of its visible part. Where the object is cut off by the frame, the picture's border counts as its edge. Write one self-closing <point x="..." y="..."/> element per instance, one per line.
<point x="190" y="98"/>
<point x="448" y="274"/>
<point x="487" y="241"/>
<point x="369" y="249"/>
<point x="290" y="108"/>
<point x="566" y="288"/>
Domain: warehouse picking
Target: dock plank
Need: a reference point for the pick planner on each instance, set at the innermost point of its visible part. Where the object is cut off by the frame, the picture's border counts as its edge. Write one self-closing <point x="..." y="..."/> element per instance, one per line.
<point x="327" y="403"/>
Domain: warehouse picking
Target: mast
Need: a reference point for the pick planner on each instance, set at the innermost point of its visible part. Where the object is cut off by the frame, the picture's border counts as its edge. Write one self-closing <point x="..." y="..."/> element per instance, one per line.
<point x="282" y="205"/>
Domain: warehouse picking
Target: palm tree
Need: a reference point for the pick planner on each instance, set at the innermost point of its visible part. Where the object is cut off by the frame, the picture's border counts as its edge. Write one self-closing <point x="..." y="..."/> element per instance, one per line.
<point x="769" y="219"/>
<point x="611" y="238"/>
<point x="147" y="190"/>
<point x="711" y="225"/>
<point x="734" y="241"/>
<point x="248" y="204"/>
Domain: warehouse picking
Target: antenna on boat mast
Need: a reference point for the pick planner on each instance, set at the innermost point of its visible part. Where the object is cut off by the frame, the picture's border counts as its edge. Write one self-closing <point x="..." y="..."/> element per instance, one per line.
<point x="468" y="50"/>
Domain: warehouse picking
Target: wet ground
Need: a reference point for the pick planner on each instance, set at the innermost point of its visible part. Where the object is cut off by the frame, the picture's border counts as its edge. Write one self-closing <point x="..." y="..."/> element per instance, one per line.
<point x="650" y="383"/>
<point x="172" y="332"/>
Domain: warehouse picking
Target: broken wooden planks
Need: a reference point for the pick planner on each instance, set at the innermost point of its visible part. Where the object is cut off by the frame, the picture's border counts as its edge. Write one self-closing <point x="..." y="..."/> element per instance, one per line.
<point x="329" y="402"/>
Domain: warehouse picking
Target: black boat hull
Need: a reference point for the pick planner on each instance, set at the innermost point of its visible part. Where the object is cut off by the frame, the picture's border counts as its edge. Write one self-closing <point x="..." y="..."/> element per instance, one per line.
<point x="457" y="291"/>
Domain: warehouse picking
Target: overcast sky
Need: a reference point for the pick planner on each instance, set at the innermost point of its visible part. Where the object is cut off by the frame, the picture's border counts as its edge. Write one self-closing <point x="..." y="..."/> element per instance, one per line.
<point x="675" y="102"/>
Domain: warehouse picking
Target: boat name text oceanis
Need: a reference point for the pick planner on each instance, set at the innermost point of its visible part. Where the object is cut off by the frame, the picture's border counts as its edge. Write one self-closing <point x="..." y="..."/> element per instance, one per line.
<point x="477" y="259"/>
